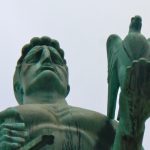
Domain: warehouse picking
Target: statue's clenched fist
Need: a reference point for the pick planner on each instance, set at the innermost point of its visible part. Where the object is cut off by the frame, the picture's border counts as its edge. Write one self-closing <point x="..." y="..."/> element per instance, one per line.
<point x="13" y="133"/>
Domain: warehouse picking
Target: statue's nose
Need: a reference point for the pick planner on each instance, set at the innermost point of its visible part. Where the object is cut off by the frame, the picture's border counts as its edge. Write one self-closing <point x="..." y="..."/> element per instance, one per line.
<point x="46" y="56"/>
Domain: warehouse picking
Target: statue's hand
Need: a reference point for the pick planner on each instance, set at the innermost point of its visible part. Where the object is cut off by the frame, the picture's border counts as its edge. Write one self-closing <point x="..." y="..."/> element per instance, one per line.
<point x="137" y="89"/>
<point x="13" y="133"/>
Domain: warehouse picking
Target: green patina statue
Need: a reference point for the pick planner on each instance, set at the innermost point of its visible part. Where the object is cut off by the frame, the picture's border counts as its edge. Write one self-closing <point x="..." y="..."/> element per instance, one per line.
<point x="44" y="120"/>
<point x="129" y="69"/>
<point x="40" y="86"/>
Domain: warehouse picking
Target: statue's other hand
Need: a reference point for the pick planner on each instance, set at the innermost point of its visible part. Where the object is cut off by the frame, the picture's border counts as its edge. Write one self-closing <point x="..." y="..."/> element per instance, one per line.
<point x="137" y="87"/>
<point x="12" y="135"/>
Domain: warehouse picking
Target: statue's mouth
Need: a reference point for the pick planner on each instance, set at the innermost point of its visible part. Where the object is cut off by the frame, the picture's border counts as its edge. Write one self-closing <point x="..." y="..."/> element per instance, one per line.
<point x="44" y="68"/>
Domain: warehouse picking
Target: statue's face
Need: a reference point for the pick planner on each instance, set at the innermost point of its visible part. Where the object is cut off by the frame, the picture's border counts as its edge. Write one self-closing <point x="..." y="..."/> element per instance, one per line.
<point x="43" y="69"/>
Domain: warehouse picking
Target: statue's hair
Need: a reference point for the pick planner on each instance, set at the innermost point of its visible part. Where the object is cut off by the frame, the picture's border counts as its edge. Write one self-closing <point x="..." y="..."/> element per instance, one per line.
<point x="36" y="41"/>
<point x="43" y="41"/>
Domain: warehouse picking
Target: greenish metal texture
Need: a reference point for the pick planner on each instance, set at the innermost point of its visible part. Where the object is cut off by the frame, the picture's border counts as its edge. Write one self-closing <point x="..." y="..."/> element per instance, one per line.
<point x="129" y="69"/>
<point x="40" y="86"/>
<point x="44" y="120"/>
<point x="121" y="54"/>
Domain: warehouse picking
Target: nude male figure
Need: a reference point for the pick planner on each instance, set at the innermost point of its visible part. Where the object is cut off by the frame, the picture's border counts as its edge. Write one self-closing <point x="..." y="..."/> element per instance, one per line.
<point x="40" y="86"/>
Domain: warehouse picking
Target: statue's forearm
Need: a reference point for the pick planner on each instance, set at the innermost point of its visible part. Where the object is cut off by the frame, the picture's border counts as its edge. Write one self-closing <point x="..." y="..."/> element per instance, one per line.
<point x="130" y="131"/>
<point x="126" y="140"/>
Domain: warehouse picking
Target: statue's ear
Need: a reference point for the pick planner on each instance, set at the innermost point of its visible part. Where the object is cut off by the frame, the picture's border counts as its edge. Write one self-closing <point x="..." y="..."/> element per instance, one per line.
<point x="18" y="92"/>
<point x="68" y="90"/>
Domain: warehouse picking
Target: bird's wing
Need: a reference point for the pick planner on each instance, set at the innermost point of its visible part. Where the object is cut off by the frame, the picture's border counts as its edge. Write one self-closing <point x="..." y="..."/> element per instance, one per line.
<point x="147" y="54"/>
<point x="114" y="45"/>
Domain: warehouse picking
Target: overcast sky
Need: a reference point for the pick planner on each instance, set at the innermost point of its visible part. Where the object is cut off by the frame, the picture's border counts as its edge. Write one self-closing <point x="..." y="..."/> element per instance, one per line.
<point x="82" y="28"/>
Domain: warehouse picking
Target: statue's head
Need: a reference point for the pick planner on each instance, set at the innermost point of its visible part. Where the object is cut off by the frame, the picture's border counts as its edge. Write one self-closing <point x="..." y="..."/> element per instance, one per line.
<point x="136" y="23"/>
<point x="41" y="68"/>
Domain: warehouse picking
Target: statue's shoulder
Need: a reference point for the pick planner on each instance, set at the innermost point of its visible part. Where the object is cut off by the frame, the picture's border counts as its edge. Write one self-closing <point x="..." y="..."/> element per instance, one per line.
<point x="86" y="113"/>
<point x="91" y="118"/>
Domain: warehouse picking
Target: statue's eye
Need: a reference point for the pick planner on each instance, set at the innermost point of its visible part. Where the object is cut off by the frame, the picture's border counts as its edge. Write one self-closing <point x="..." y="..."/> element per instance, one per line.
<point x="34" y="57"/>
<point x="56" y="59"/>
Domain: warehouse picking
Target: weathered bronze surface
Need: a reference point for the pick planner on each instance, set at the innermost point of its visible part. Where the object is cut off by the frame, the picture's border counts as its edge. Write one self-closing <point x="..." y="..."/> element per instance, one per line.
<point x="44" y="120"/>
<point x="121" y="53"/>
<point x="41" y="85"/>
<point x="129" y="69"/>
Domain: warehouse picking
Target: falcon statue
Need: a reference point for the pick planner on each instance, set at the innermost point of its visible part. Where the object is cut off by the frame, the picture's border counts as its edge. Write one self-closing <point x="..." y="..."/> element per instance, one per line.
<point x="120" y="55"/>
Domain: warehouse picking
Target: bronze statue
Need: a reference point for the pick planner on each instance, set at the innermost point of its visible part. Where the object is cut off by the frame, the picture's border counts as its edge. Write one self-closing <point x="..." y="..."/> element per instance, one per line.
<point x="40" y="86"/>
<point x="44" y="120"/>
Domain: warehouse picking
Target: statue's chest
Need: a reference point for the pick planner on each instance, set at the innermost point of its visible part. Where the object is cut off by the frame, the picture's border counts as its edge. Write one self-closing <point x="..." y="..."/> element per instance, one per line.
<point x="68" y="134"/>
<point x="65" y="138"/>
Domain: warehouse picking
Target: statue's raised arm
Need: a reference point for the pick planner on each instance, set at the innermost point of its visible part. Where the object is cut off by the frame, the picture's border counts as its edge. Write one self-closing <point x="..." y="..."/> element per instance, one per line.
<point x="133" y="70"/>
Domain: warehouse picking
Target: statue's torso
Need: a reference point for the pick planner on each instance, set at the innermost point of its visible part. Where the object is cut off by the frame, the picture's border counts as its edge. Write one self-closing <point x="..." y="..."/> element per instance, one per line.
<point x="73" y="128"/>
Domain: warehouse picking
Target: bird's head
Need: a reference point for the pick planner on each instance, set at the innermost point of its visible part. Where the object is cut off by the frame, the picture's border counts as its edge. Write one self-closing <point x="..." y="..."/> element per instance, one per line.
<point x="136" y="24"/>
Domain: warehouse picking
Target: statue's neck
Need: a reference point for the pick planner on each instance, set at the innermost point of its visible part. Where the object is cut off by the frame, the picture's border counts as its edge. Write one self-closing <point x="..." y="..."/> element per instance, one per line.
<point x="43" y="98"/>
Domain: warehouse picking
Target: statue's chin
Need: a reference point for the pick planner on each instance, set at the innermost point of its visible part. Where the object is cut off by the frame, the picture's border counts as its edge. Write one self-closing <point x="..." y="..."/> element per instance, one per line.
<point x="46" y="75"/>
<point x="46" y="81"/>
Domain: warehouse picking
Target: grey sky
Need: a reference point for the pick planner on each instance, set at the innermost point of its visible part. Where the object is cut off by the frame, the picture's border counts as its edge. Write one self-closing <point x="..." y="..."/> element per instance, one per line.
<point x="82" y="28"/>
